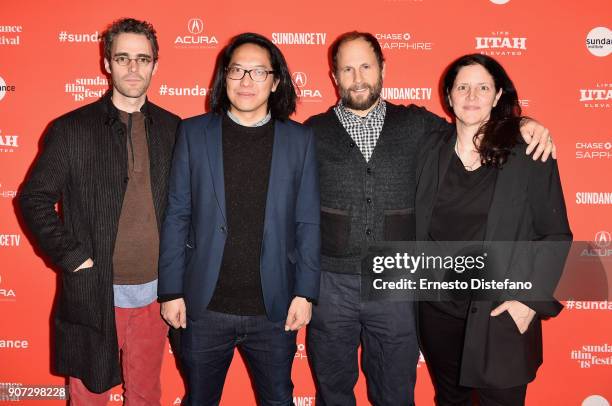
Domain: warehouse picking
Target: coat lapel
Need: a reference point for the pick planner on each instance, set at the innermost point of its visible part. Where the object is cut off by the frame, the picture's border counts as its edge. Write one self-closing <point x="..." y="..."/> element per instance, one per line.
<point x="278" y="166"/>
<point x="214" y="151"/>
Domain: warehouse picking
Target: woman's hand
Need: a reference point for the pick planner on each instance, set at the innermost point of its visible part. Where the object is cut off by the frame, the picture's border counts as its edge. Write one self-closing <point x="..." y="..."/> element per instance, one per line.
<point x="520" y="313"/>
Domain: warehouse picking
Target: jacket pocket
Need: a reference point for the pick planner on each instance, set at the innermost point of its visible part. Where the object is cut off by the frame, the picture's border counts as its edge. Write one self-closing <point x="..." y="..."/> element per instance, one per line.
<point x="400" y="225"/>
<point x="80" y="298"/>
<point x="335" y="231"/>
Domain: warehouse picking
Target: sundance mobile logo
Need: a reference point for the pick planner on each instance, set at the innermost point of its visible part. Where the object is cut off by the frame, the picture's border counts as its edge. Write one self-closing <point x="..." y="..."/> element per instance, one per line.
<point x="5" y="88"/>
<point x="402" y="94"/>
<point x="501" y="43"/>
<point x="299" y="38"/>
<point x="10" y="35"/>
<point x="599" y="41"/>
<point x="402" y="41"/>
<point x="597" y="97"/>
<point x="594" y="150"/>
<point x="82" y="89"/>
<point x="7" y="294"/>
<point x="67" y="36"/>
<point x="305" y="93"/>
<point x="589" y="356"/>
<point x="197" y="38"/>
<point x="8" y="142"/>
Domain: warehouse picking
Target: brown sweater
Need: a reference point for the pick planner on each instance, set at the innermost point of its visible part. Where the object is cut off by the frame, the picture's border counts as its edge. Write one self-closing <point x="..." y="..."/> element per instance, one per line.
<point x="137" y="243"/>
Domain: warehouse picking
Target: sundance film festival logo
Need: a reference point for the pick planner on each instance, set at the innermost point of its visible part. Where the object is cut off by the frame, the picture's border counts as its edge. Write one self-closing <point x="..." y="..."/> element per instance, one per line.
<point x="589" y="356"/>
<point x="299" y="38"/>
<point x="195" y="38"/>
<point x="4" y="88"/>
<point x="304" y="400"/>
<point x="8" y="142"/>
<point x="305" y="93"/>
<point x="10" y="34"/>
<point x="17" y="344"/>
<point x="501" y="43"/>
<point x="197" y="90"/>
<point x="401" y="41"/>
<point x="599" y="96"/>
<point x="594" y="150"/>
<point x="594" y="198"/>
<point x="406" y="93"/>
<point x="599" y="41"/>
<point x="87" y="88"/>
<point x="7" y="294"/>
<point x="66" y="36"/>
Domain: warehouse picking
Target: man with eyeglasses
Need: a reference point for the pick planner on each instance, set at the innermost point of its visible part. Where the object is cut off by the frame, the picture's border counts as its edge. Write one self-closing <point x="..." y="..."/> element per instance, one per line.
<point x="107" y="163"/>
<point x="239" y="253"/>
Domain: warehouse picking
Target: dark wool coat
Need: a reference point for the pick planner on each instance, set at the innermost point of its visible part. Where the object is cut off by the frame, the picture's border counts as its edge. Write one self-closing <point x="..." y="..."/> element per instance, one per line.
<point x="84" y="167"/>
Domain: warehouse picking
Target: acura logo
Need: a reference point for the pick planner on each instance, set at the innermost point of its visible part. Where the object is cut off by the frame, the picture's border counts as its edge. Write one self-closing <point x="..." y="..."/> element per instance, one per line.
<point x="299" y="79"/>
<point x="603" y="239"/>
<point x="195" y="26"/>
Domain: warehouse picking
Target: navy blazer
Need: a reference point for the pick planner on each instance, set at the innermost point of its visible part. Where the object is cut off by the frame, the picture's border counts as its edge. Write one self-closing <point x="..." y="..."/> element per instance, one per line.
<point x="195" y="227"/>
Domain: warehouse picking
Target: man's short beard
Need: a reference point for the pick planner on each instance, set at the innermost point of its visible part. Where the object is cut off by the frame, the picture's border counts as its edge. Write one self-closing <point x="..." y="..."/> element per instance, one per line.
<point x="374" y="95"/>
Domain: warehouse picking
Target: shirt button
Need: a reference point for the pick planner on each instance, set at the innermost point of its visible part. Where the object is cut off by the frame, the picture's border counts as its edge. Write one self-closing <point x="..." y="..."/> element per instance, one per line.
<point x="352" y="145"/>
<point x="223" y="229"/>
<point x="368" y="232"/>
<point x="369" y="171"/>
<point x="369" y="201"/>
<point x="474" y="310"/>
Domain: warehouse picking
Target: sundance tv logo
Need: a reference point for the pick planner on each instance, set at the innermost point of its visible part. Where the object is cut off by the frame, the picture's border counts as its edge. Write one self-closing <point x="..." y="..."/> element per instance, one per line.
<point x="299" y="38"/>
<point x="501" y="43"/>
<point x="8" y="142"/>
<point x="195" y="38"/>
<point x="597" y="97"/>
<point x="401" y="94"/>
<point x="10" y="34"/>
<point x="594" y="198"/>
<point x="7" y="193"/>
<point x="82" y="89"/>
<point x="599" y="41"/>
<point x="305" y="92"/>
<point x="402" y="41"/>
<point x="594" y="150"/>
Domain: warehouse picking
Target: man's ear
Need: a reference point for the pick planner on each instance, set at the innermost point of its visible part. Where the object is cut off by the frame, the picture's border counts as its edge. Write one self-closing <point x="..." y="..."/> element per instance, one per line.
<point x="107" y="66"/>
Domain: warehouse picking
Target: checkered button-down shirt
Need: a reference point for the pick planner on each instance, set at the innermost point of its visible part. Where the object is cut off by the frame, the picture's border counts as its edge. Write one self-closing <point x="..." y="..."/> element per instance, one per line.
<point x="363" y="130"/>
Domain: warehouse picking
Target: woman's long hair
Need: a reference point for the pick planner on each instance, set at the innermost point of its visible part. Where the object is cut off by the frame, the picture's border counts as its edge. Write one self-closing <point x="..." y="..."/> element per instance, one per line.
<point x="502" y="131"/>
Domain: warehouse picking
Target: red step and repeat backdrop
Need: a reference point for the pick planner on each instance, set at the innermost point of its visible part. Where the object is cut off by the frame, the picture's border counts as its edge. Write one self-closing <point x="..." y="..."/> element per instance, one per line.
<point x="557" y="52"/>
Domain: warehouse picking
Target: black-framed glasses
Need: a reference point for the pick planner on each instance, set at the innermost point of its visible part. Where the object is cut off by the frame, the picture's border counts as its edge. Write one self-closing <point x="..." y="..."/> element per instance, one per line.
<point x="124" y="60"/>
<point x="257" y="74"/>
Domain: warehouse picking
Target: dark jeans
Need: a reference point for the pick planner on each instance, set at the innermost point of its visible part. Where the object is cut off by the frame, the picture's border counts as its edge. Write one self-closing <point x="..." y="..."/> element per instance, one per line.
<point x="208" y="347"/>
<point x="442" y="342"/>
<point x="387" y="333"/>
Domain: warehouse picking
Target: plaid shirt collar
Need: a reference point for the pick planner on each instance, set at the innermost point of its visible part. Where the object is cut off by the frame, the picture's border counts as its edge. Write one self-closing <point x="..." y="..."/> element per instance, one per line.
<point x="348" y="118"/>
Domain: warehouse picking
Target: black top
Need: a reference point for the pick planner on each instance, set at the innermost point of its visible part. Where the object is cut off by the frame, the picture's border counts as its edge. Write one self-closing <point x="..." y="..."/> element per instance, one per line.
<point x="460" y="212"/>
<point x="247" y="156"/>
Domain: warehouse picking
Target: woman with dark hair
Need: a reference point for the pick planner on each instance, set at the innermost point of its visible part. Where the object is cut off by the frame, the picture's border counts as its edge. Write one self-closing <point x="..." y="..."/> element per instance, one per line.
<point x="477" y="184"/>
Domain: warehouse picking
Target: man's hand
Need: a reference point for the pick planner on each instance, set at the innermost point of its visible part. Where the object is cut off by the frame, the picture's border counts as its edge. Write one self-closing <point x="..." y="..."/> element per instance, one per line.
<point x="299" y="314"/>
<point x="175" y="313"/>
<point x="520" y="313"/>
<point x="538" y="138"/>
<point x="87" y="264"/>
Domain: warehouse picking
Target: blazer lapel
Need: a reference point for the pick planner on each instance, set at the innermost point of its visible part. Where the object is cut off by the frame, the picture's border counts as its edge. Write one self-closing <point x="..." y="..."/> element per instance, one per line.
<point x="214" y="150"/>
<point x="278" y="166"/>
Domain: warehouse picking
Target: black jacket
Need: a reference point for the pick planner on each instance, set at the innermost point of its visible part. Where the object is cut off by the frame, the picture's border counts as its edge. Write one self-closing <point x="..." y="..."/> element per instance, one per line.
<point x="527" y="205"/>
<point x="84" y="166"/>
